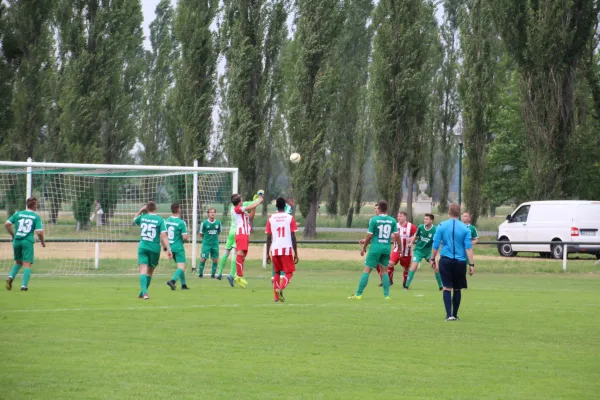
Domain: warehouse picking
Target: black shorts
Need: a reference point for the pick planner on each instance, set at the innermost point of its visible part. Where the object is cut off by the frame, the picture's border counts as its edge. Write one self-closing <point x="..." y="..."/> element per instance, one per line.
<point x="453" y="273"/>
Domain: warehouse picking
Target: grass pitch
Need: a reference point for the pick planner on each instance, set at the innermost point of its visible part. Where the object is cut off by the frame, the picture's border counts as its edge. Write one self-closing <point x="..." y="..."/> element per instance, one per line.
<point x="523" y="334"/>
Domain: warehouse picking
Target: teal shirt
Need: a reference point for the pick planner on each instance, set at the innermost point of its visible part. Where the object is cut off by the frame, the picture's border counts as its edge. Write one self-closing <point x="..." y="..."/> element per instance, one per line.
<point x="26" y="222"/>
<point x="210" y="233"/>
<point x="381" y="227"/>
<point x="152" y="226"/>
<point x="425" y="238"/>
<point x="176" y="228"/>
<point x="474" y="233"/>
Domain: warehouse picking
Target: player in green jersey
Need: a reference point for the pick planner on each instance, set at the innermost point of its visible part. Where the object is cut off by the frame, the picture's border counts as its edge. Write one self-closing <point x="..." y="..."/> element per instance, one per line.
<point x="466" y="219"/>
<point x="422" y="249"/>
<point x="230" y="244"/>
<point x="26" y="222"/>
<point x="382" y="231"/>
<point x="209" y="231"/>
<point x="177" y="235"/>
<point x="153" y="234"/>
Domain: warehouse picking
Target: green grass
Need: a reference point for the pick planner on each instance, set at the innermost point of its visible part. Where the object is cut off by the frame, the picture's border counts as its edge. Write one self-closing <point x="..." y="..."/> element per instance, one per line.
<point x="524" y="333"/>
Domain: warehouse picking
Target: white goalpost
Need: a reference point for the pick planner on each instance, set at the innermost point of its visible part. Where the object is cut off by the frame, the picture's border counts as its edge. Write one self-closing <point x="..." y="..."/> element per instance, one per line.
<point x="87" y="210"/>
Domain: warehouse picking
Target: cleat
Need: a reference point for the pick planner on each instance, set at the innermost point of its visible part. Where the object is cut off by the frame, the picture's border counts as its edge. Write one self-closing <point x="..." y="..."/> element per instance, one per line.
<point x="200" y="276"/>
<point x="450" y="318"/>
<point x="24" y="288"/>
<point x="280" y="294"/>
<point x="355" y="297"/>
<point x="456" y="318"/>
<point x="230" y="280"/>
<point x="405" y="287"/>
<point x="140" y="296"/>
<point x="146" y="297"/>
<point x="185" y="287"/>
<point x="276" y="301"/>
<point x="219" y="276"/>
<point x="241" y="281"/>
<point x="212" y="277"/>
<point x="441" y="288"/>
<point x="387" y="298"/>
<point x="380" y="285"/>
<point x="391" y="283"/>
<point x="171" y="284"/>
<point x="193" y="270"/>
<point x="9" y="283"/>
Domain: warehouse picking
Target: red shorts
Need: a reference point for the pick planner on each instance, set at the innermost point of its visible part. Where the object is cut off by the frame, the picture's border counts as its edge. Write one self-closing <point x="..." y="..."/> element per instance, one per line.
<point x="241" y="242"/>
<point x="404" y="261"/>
<point x="283" y="263"/>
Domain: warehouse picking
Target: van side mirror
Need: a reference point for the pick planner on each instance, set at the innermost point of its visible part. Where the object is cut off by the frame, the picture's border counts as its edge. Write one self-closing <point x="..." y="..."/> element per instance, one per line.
<point x="508" y="218"/>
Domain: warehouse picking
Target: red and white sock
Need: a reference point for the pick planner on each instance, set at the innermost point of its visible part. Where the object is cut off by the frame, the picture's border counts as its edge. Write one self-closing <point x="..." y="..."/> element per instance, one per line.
<point x="239" y="263"/>
<point x="285" y="280"/>
<point x="391" y="274"/>
<point x="404" y="275"/>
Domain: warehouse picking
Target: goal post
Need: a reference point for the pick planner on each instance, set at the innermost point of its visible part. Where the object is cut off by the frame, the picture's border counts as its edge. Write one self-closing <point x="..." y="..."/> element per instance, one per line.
<point x="88" y="209"/>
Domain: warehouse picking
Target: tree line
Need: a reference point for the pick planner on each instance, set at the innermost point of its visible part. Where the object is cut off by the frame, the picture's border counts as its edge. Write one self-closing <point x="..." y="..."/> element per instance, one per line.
<point x="344" y="83"/>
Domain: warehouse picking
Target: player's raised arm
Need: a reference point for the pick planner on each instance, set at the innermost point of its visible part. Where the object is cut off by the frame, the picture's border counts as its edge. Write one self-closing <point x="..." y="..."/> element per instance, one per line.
<point x="142" y="211"/>
<point x="253" y="205"/>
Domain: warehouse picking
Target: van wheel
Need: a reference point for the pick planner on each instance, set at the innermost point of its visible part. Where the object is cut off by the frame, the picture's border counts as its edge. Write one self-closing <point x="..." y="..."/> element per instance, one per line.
<point x="557" y="250"/>
<point x="505" y="249"/>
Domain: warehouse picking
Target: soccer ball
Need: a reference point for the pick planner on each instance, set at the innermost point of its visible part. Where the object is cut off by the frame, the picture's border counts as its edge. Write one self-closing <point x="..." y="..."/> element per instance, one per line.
<point x="295" y="158"/>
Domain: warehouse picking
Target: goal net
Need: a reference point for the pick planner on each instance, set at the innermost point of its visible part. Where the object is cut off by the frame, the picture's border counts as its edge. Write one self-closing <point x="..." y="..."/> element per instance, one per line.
<point x="88" y="210"/>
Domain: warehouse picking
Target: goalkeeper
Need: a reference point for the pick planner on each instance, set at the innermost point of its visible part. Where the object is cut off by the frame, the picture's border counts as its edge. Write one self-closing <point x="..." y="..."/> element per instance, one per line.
<point x="230" y="244"/>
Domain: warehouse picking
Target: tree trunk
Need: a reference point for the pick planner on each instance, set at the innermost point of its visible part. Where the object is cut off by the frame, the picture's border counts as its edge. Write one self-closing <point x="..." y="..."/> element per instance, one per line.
<point x="349" y="216"/>
<point x="310" y="229"/>
<point x="409" y="197"/>
<point x="334" y="192"/>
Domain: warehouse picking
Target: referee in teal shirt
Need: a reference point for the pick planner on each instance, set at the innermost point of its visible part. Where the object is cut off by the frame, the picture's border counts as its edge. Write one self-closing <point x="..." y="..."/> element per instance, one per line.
<point x="455" y="238"/>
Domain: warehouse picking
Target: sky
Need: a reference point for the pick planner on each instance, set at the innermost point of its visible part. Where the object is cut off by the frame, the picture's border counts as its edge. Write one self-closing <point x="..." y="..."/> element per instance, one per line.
<point x="148" y="7"/>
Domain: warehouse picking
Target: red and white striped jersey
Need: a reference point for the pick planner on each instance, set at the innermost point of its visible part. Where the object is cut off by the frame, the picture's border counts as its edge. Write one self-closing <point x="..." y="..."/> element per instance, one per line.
<point x="406" y="232"/>
<point x="241" y="220"/>
<point x="281" y="225"/>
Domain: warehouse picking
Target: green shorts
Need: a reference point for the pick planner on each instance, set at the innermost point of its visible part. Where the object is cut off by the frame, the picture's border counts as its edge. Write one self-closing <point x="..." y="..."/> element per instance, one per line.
<point x="420" y="255"/>
<point x="179" y="257"/>
<point x="210" y="252"/>
<point x="148" y="258"/>
<point x="230" y="244"/>
<point x="374" y="259"/>
<point x="23" y="250"/>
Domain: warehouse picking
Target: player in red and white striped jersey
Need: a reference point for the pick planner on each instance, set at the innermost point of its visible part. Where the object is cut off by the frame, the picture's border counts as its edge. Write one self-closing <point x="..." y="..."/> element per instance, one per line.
<point x="281" y="247"/>
<point x="402" y="252"/>
<point x="242" y="233"/>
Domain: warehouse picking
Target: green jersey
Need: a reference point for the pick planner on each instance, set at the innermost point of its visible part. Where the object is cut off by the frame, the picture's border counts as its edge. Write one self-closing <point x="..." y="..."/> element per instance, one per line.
<point x="26" y="222"/>
<point x="474" y="233"/>
<point x="382" y="227"/>
<point x="152" y="226"/>
<point x="288" y="209"/>
<point x="210" y="233"/>
<point x="425" y="241"/>
<point x="176" y="228"/>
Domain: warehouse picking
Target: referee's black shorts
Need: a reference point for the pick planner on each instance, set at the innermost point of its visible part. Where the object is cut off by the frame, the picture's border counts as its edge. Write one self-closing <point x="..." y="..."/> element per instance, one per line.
<point x="453" y="273"/>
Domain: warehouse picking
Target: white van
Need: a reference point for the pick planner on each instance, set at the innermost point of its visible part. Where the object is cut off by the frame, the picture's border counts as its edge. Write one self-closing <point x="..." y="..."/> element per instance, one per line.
<point x="551" y="221"/>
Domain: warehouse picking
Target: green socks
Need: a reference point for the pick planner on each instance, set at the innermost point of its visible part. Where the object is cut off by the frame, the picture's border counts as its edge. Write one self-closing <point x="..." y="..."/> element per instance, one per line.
<point x="362" y="284"/>
<point x="222" y="262"/>
<point x="438" y="278"/>
<point x="148" y="279"/>
<point x="214" y="268"/>
<point x="201" y="269"/>
<point x="182" y="277"/>
<point x="26" y="276"/>
<point x="385" y="280"/>
<point x="233" y="271"/>
<point x="411" y="275"/>
<point x="176" y="275"/>
<point x="144" y="283"/>
<point x="14" y="271"/>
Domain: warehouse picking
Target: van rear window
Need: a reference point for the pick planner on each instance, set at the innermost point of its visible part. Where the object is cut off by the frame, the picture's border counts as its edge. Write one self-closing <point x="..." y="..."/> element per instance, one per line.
<point x="588" y="213"/>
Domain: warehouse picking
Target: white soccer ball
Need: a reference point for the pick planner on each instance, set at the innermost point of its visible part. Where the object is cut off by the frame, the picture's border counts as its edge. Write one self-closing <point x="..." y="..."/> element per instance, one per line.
<point x="295" y="158"/>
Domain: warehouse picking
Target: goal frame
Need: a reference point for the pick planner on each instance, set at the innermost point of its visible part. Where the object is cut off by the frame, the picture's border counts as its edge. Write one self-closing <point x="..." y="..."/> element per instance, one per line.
<point x="30" y="164"/>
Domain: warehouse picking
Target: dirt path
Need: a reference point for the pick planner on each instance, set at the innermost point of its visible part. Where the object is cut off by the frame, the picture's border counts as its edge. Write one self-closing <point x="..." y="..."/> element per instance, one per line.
<point x="85" y="250"/>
